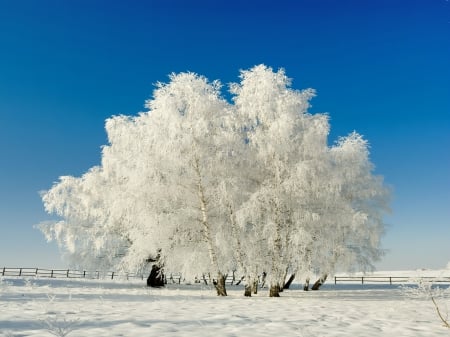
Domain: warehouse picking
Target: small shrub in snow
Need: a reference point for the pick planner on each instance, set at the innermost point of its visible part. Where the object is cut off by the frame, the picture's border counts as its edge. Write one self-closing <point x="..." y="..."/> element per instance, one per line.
<point x="55" y="322"/>
<point x="428" y="290"/>
<point x="29" y="283"/>
<point x="59" y="325"/>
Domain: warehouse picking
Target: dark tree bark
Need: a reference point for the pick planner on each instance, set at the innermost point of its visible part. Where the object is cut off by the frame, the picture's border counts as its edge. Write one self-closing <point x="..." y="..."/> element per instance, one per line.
<point x="248" y="290"/>
<point x="204" y="279"/>
<point x="263" y="279"/>
<point x="255" y="286"/>
<point x="241" y="279"/>
<point x="219" y="284"/>
<point x="251" y="286"/>
<point x="274" y="290"/>
<point x="306" y="286"/>
<point x="289" y="281"/>
<point x="319" y="282"/>
<point x="156" y="277"/>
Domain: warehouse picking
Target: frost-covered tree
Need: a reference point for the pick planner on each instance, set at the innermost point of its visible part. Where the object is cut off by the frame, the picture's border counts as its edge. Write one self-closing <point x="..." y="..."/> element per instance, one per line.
<point x="282" y="136"/>
<point x="363" y="200"/>
<point x="310" y="220"/>
<point x="196" y="139"/>
<point x="207" y="186"/>
<point x="83" y="234"/>
<point x="165" y="171"/>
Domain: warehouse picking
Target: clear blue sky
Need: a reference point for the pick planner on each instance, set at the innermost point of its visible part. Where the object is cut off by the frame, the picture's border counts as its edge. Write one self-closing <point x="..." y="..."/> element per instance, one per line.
<point x="380" y="67"/>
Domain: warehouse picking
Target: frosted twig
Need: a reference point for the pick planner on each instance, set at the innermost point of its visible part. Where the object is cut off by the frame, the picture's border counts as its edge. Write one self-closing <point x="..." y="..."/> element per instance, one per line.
<point x="444" y="320"/>
<point x="59" y="327"/>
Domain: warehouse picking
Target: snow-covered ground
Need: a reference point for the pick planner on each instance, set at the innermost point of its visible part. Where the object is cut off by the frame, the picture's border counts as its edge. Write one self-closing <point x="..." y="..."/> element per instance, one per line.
<point x="38" y="307"/>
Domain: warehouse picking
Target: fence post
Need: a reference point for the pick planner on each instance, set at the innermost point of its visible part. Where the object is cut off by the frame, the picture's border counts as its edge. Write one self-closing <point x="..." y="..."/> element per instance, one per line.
<point x="3" y="272"/>
<point x="20" y="272"/>
<point x="390" y="280"/>
<point x="112" y="275"/>
<point x="84" y="273"/>
<point x="335" y="280"/>
<point x="36" y="271"/>
<point x="67" y="273"/>
<point x="362" y="280"/>
<point x="51" y="275"/>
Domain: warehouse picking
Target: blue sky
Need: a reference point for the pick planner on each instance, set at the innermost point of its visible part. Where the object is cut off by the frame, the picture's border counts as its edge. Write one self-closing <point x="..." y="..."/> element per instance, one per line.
<point x="381" y="68"/>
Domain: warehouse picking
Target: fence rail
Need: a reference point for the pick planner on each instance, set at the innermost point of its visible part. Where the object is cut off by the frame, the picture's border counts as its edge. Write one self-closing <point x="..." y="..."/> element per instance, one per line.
<point x="66" y="273"/>
<point x="389" y="279"/>
<point x="84" y="274"/>
<point x="176" y="278"/>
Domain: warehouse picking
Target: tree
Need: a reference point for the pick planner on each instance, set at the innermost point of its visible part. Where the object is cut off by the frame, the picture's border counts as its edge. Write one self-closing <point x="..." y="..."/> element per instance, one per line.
<point x="283" y="136"/>
<point x="206" y="186"/>
<point x="192" y="114"/>
<point x="83" y="234"/>
<point x="165" y="169"/>
<point x="308" y="194"/>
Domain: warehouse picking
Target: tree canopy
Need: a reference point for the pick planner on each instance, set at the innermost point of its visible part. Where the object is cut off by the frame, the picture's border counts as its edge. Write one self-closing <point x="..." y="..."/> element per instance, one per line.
<point x="210" y="186"/>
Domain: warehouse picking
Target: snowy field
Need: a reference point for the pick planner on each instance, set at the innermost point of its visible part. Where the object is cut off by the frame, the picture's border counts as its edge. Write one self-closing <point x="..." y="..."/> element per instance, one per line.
<point x="39" y="307"/>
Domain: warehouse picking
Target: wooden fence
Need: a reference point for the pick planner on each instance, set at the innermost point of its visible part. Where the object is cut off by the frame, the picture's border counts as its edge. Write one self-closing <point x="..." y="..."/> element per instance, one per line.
<point x="176" y="278"/>
<point x="68" y="273"/>
<point x="389" y="279"/>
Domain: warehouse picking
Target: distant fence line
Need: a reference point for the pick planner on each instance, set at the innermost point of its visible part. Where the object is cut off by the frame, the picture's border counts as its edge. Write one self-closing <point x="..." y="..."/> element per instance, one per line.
<point x="68" y="273"/>
<point x="176" y="278"/>
<point x="389" y="279"/>
<point x="84" y="274"/>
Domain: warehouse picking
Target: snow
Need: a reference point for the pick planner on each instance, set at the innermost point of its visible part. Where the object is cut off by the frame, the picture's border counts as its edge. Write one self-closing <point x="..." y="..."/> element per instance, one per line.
<point x="37" y="307"/>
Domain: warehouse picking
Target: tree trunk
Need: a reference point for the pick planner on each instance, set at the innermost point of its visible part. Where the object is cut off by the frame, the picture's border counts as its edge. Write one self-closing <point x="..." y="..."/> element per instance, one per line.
<point x="204" y="279"/>
<point x="248" y="290"/>
<point x="255" y="286"/>
<point x="239" y="282"/>
<point x="263" y="279"/>
<point x="289" y="281"/>
<point x="306" y="286"/>
<point x="319" y="282"/>
<point x="274" y="290"/>
<point x="156" y="277"/>
<point x="248" y="286"/>
<point x="251" y="286"/>
<point x="277" y="258"/>
<point x="219" y="284"/>
<point x="284" y="280"/>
